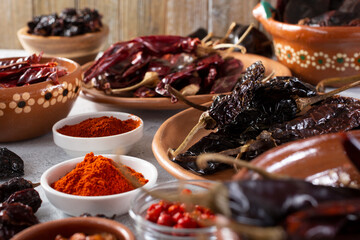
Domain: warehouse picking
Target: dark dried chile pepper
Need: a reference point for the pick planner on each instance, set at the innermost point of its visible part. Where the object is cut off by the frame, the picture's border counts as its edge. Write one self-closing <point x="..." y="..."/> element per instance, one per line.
<point x="13" y="185"/>
<point x="259" y="115"/>
<point x="29" y="197"/>
<point x="11" y="165"/>
<point x="329" y="220"/>
<point x="69" y="22"/>
<point x="15" y="217"/>
<point x="269" y="202"/>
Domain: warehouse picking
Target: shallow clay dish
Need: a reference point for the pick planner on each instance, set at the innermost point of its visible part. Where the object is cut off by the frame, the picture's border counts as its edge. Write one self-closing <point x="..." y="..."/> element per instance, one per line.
<point x="30" y="111"/>
<point x="82" y="48"/>
<point x="68" y="226"/>
<point x="310" y="159"/>
<point x="161" y="103"/>
<point x="298" y="159"/>
<point x="314" y="53"/>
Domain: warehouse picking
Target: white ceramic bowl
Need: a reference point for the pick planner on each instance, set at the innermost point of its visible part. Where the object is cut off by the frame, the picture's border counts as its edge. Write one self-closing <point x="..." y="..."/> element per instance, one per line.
<point x="80" y="146"/>
<point x="108" y="205"/>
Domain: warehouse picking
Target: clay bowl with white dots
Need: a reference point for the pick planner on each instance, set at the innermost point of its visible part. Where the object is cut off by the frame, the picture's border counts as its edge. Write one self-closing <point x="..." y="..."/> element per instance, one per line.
<point x="314" y="53"/>
<point x="31" y="111"/>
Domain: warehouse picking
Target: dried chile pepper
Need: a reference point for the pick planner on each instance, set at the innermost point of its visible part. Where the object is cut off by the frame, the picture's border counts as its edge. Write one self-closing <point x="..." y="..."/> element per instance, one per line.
<point x="319" y="12"/>
<point x="329" y="220"/>
<point x="15" y="217"/>
<point x="352" y="148"/>
<point x="29" y="70"/>
<point x="259" y="115"/>
<point x="70" y="22"/>
<point x="180" y="62"/>
<point x="13" y="185"/>
<point x="29" y="197"/>
<point x="11" y="165"/>
<point x="268" y="202"/>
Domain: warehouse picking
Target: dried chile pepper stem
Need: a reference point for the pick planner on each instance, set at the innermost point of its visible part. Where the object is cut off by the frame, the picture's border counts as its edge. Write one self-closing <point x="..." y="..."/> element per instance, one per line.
<point x="243" y="36"/>
<point x="203" y="159"/>
<point x="207" y="37"/>
<point x="302" y="103"/>
<point x="150" y="78"/>
<point x="182" y="98"/>
<point x="34" y="185"/>
<point x="204" y="120"/>
<point x="230" y="46"/>
<point x="228" y="32"/>
<point x="320" y="87"/>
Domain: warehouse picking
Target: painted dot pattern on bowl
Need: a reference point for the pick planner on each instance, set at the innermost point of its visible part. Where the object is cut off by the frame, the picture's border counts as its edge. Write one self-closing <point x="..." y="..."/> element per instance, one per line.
<point x="53" y="94"/>
<point x="318" y="60"/>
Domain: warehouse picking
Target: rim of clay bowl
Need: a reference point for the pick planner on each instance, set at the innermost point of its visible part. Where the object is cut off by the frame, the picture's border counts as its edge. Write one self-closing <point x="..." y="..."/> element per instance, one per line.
<point x="24" y="34"/>
<point x="295" y="31"/>
<point x="62" y="223"/>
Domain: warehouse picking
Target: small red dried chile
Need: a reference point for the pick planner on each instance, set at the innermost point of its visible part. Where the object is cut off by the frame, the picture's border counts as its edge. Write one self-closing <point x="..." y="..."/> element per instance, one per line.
<point x="175" y="214"/>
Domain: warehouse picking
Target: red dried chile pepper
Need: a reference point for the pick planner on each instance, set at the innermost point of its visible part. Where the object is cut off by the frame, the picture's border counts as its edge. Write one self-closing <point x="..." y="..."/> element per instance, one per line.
<point x="29" y="70"/>
<point x="178" y="61"/>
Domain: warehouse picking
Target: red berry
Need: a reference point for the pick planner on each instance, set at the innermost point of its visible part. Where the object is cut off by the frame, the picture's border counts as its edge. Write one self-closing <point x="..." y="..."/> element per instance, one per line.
<point x="153" y="212"/>
<point x="186" y="222"/>
<point x="175" y="208"/>
<point x="177" y="216"/>
<point x="165" y="219"/>
<point x="186" y="191"/>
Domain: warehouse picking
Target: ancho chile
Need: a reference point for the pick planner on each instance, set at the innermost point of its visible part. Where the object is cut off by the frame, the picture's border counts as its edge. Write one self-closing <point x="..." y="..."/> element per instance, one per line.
<point x="19" y="202"/>
<point x="259" y="115"/>
<point x="70" y="22"/>
<point x="99" y="127"/>
<point x="11" y="165"/>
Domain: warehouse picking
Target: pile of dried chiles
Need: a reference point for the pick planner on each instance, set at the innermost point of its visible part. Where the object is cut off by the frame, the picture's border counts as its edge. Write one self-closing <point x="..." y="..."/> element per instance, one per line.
<point x="146" y="66"/>
<point x="70" y="22"/>
<point x="18" y="198"/>
<point x="19" y="202"/>
<point x="319" y="12"/>
<point x="29" y="70"/>
<point x="264" y="113"/>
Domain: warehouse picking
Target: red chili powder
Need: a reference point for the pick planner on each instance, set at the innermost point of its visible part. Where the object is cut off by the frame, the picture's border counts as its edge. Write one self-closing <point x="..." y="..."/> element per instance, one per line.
<point x="99" y="127"/>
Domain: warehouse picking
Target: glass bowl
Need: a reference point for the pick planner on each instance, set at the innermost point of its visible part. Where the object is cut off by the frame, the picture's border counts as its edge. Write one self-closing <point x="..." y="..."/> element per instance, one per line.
<point x="147" y="230"/>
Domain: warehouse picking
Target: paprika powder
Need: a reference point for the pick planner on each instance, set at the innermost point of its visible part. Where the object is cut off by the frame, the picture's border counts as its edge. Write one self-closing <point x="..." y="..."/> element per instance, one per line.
<point x="99" y="127"/>
<point x="96" y="176"/>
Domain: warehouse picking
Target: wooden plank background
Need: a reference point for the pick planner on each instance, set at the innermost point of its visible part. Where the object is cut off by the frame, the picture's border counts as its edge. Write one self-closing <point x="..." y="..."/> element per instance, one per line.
<point x="130" y="18"/>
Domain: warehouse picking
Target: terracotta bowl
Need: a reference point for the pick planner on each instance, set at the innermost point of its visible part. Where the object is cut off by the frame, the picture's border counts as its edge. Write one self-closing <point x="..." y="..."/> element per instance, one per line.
<point x="31" y="111"/>
<point x="320" y="159"/>
<point x="314" y="53"/>
<point x="82" y="48"/>
<point x="68" y="226"/>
